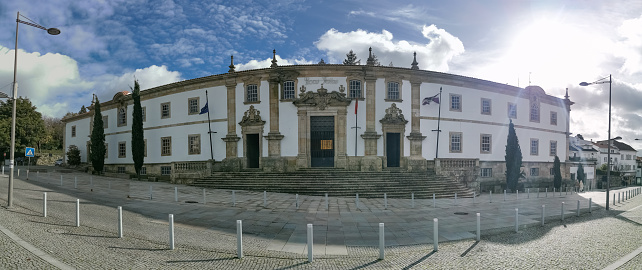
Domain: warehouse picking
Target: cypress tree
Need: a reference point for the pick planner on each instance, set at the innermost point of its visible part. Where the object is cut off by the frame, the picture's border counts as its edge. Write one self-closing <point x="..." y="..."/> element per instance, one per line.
<point x="138" y="139"/>
<point x="557" y="173"/>
<point x="513" y="159"/>
<point x="97" y="153"/>
<point x="580" y="173"/>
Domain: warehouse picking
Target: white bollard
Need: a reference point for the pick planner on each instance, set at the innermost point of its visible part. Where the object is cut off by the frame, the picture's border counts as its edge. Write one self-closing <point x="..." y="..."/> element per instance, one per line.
<point x="239" y="239"/>
<point x="382" y="242"/>
<point x="474" y="196"/>
<point x="120" y="222"/>
<point x="516" y="220"/>
<point x="613" y="198"/>
<point x="385" y="200"/>
<point x="75" y="182"/>
<point x="543" y="214"/>
<point x="171" y="232"/>
<point x="517" y="194"/>
<point x="175" y="194"/>
<point x="18" y="172"/>
<point x="478" y="227"/>
<point x="204" y="197"/>
<point x="327" y="203"/>
<point x="233" y="198"/>
<point x="77" y="212"/>
<point x="578" y="208"/>
<point x="562" y="211"/>
<point x="590" y="204"/>
<point x="455" y="198"/>
<point x="297" y="201"/>
<point x="264" y="198"/>
<point x="151" y="193"/>
<point x="356" y="200"/>
<point x="412" y="198"/>
<point x="44" y="204"/>
<point x="310" y="243"/>
<point x="435" y="234"/>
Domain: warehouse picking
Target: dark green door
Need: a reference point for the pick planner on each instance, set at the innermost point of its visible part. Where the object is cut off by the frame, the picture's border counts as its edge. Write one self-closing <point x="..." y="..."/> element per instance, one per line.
<point x="322" y="141"/>
<point x="252" y="150"/>
<point x="393" y="149"/>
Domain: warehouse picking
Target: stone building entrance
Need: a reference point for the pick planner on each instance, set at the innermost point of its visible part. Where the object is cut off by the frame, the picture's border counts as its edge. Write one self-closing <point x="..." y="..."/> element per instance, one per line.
<point x="393" y="149"/>
<point x="322" y="141"/>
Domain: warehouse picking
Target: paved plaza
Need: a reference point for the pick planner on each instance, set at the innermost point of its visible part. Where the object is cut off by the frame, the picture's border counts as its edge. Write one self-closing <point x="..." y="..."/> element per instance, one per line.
<point x="346" y="230"/>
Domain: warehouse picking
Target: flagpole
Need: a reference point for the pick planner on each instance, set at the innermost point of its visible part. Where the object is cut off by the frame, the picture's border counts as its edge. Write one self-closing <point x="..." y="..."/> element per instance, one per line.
<point x="209" y="124"/>
<point x="356" y="124"/>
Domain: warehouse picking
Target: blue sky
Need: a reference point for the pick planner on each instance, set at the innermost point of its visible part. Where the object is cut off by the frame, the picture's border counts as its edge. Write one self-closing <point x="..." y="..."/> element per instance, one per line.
<point x="553" y="44"/>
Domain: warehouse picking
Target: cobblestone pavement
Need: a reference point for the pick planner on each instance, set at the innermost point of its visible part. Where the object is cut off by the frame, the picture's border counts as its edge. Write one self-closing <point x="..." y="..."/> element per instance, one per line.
<point x="274" y="236"/>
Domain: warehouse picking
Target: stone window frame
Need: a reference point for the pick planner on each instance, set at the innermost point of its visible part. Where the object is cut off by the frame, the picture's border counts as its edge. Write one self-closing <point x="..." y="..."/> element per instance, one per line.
<point x="512" y="110"/>
<point x="486" y="172"/>
<point x="121" y="169"/>
<point x="105" y="121"/>
<point x="73" y="131"/>
<point x="143" y="170"/>
<point x="553" y="118"/>
<point x="166" y="146"/>
<point x="490" y="106"/>
<point x="121" y="116"/>
<point x="534" y="147"/>
<point x="551" y="171"/>
<point x="190" y="107"/>
<point x="247" y="93"/>
<point x="284" y="85"/>
<point x="481" y="143"/>
<point x="350" y="89"/>
<point x="534" y="110"/>
<point x="399" y="83"/>
<point x="122" y="149"/>
<point x="553" y="148"/>
<point x="144" y="113"/>
<point x="166" y="170"/>
<point x="194" y="149"/>
<point x="534" y="171"/>
<point x="168" y="111"/>
<point x="452" y="102"/>
<point x="450" y="142"/>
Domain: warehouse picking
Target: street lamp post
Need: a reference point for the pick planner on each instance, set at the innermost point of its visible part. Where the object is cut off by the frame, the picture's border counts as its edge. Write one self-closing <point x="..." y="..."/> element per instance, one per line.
<point x="51" y="31"/>
<point x="608" y="154"/>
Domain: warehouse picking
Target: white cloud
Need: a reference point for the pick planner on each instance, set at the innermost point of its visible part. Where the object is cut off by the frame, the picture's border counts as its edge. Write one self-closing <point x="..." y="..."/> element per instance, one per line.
<point x="254" y="64"/>
<point x="436" y="54"/>
<point x="630" y="49"/>
<point x="148" y="77"/>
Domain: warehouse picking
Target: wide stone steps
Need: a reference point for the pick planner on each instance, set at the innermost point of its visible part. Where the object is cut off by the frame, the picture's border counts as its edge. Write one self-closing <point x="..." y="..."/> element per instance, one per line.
<point x="340" y="183"/>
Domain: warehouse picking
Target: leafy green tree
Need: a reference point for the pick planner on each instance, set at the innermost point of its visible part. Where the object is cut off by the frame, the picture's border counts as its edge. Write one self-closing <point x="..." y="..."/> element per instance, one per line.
<point x="138" y="138"/>
<point x="513" y="159"/>
<point x="351" y="59"/>
<point x="30" y="128"/>
<point x="55" y="130"/>
<point x="97" y="153"/>
<point x="580" y="174"/>
<point x="73" y="155"/>
<point x="557" y="173"/>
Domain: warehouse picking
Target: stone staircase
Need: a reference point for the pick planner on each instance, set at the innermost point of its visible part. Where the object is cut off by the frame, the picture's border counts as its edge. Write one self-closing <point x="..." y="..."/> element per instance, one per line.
<point x="340" y="183"/>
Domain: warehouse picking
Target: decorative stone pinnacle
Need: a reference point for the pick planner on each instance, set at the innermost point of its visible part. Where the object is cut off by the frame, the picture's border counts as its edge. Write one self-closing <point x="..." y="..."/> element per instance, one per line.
<point x="274" y="59"/>
<point x="414" y="65"/>
<point x="232" y="64"/>
<point x="371" y="60"/>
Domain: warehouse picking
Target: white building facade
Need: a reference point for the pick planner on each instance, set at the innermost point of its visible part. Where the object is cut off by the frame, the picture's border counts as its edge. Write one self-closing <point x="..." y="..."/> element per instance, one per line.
<point x="355" y="117"/>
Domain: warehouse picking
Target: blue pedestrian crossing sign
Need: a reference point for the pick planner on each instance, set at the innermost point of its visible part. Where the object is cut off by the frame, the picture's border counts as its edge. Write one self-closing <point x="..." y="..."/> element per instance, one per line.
<point x="30" y="152"/>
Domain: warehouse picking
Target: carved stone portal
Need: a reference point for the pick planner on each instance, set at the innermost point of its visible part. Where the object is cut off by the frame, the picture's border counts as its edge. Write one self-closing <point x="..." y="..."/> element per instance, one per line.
<point x="321" y="99"/>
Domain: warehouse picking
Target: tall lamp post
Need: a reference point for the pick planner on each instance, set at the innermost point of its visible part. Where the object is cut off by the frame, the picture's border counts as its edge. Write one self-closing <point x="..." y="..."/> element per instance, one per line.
<point x="608" y="154"/>
<point x="51" y="31"/>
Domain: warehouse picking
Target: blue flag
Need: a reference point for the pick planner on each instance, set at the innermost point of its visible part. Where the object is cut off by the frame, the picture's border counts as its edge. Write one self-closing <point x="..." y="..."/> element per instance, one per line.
<point x="205" y="109"/>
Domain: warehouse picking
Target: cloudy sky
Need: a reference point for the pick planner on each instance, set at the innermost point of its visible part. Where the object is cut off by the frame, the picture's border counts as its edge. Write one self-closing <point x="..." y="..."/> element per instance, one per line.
<point x="555" y="44"/>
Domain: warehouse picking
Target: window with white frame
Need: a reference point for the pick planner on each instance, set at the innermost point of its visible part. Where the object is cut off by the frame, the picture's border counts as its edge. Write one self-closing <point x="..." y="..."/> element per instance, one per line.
<point x="288" y="90"/>
<point x="194" y="144"/>
<point x="553" y="148"/>
<point x="455" y="102"/>
<point x="485" y="106"/>
<point x="73" y="131"/>
<point x="534" y="171"/>
<point x="455" y="142"/>
<point x="355" y="89"/>
<point x="193" y="106"/>
<point x="485" y="143"/>
<point x="105" y="121"/>
<point x="252" y="93"/>
<point x="166" y="146"/>
<point x="554" y="118"/>
<point x="393" y="90"/>
<point x="166" y="110"/>
<point x="486" y="172"/>
<point x="512" y="110"/>
<point x="534" y="112"/>
<point x="122" y="149"/>
<point x="122" y="116"/>
<point x="534" y="147"/>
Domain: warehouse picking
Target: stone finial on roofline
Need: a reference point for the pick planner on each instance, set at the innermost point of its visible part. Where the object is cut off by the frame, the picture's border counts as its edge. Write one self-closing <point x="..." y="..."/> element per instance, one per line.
<point x="274" y="59"/>
<point x="232" y="64"/>
<point x="371" y="60"/>
<point x="414" y="65"/>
